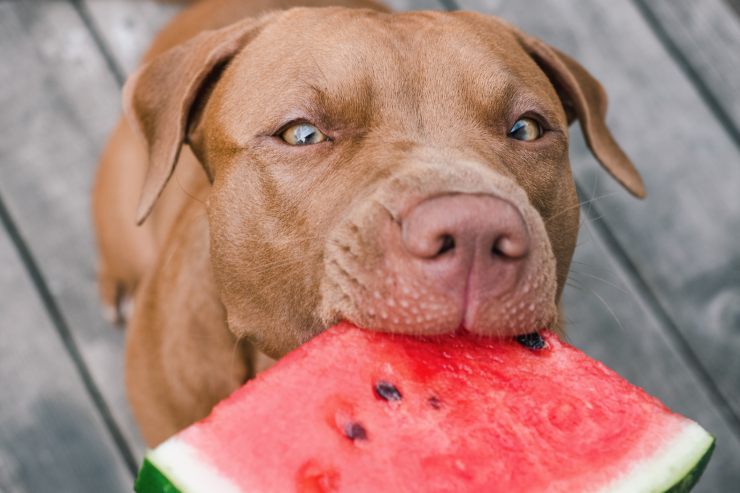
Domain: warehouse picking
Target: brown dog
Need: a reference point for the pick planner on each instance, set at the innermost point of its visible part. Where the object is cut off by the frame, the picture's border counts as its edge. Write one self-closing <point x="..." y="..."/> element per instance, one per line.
<point x="408" y="172"/>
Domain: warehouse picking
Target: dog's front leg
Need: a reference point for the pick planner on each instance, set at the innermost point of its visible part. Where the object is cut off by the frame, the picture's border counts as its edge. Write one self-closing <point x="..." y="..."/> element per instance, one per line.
<point x="181" y="358"/>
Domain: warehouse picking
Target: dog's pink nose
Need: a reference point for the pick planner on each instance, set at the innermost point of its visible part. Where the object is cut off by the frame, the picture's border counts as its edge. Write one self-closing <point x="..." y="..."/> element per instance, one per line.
<point x="464" y="225"/>
<point x="477" y="239"/>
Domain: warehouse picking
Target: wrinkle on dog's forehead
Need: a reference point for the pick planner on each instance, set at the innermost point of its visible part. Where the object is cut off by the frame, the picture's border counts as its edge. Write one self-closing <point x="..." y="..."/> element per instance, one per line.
<point x="415" y="70"/>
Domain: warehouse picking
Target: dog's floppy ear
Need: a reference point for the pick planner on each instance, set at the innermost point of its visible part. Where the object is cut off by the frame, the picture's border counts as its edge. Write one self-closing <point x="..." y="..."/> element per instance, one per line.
<point x="160" y="97"/>
<point x="585" y="99"/>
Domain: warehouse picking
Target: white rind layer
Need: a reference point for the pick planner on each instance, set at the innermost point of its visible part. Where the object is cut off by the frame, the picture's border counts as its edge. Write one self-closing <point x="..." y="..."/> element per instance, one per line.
<point x="188" y="470"/>
<point x="668" y="465"/>
<point x="191" y="473"/>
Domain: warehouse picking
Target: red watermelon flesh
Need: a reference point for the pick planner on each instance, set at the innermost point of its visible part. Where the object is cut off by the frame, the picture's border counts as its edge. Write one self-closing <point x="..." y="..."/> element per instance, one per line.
<point x="362" y="411"/>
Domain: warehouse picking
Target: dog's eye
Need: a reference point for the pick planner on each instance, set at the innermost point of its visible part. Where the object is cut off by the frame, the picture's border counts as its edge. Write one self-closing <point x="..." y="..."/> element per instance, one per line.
<point x="526" y="129"/>
<point x="301" y="134"/>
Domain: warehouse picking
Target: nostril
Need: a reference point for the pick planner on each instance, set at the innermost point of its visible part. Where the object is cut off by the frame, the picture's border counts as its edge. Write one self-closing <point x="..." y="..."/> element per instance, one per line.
<point x="496" y="250"/>
<point x="507" y="247"/>
<point x="448" y="243"/>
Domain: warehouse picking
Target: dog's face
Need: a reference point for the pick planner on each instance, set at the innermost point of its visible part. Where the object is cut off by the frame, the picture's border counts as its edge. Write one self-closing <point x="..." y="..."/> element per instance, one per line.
<point x="407" y="172"/>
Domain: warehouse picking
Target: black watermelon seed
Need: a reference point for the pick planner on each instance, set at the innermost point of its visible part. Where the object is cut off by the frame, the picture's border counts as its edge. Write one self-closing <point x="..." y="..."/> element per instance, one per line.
<point x="355" y="431"/>
<point x="434" y="402"/>
<point x="532" y="341"/>
<point x="388" y="391"/>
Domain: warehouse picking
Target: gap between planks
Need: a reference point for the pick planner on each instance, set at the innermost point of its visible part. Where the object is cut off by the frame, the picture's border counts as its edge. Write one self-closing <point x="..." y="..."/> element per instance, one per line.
<point x="65" y="334"/>
<point x="84" y="14"/>
<point x="682" y="62"/>
<point x="735" y="5"/>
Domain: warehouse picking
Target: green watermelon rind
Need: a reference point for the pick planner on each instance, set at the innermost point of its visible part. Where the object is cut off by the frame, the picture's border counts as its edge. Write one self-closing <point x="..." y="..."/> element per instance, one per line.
<point x="675" y="468"/>
<point x="685" y="484"/>
<point x="175" y="467"/>
<point x="182" y="469"/>
<point x="151" y="480"/>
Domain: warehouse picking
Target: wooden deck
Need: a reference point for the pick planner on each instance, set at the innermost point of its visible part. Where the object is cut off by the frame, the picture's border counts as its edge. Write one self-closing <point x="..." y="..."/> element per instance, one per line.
<point x="655" y="288"/>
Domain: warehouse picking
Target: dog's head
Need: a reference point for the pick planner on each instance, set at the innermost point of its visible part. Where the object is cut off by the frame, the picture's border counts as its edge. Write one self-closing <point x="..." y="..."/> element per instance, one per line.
<point x="408" y="172"/>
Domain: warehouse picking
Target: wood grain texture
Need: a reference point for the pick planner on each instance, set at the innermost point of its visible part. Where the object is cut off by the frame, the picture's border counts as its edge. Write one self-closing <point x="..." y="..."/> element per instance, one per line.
<point x="683" y="239"/>
<point x="128" y="27"/>
<point x="59" y="101"/>
<point x="705" y="38"/>
<point x="51" y="438"/>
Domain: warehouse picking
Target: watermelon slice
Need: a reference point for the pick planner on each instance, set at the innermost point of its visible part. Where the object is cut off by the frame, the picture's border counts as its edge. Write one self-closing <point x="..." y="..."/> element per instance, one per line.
<point x="362" y="411"/>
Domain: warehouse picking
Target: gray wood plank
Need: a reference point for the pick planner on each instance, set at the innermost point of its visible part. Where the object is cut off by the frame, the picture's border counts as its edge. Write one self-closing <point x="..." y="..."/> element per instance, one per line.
<point x="51" y="438"/>
<point x="59" y="101"/>
<point x="128" y="27"/>
<point x="401" y="5"/>
<point x="705" y="38"/>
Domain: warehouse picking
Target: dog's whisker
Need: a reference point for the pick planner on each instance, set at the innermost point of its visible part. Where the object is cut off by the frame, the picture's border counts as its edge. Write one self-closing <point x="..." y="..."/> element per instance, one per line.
<point x="593" y="191"/>
<point x="574" y="284"/>
<point x="609" y="309"/>
<point x="605" y="281"/>
<point x="577" y="272"/>
<point x="585" y="264"/>
<point x="580" y="204"/>
<point x="591" y="220"/>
